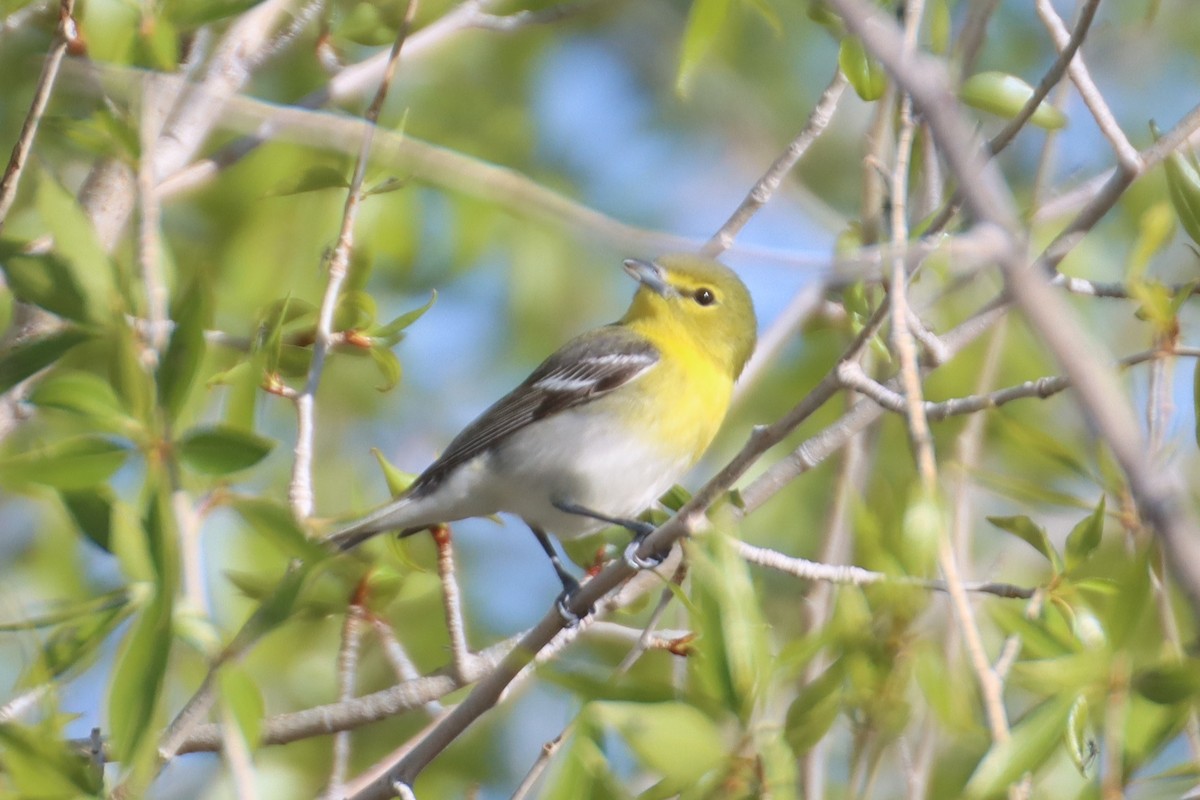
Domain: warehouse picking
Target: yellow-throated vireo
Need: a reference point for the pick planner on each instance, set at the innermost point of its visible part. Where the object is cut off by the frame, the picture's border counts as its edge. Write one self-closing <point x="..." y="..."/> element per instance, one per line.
<point x="604" y="426"/>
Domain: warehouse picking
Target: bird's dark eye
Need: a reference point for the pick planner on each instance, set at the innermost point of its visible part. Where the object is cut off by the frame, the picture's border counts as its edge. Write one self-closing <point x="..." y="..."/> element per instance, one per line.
<point x="705" y="297"/>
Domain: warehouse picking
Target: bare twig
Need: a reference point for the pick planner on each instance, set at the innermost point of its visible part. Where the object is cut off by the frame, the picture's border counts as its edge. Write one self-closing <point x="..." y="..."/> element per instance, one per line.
<point x="347" y="671"/>
<point x="766" y="186"/>
<point x="539" y="766"/>
<point x="300" y="492"/>
<point x="1052" y="78"/>
<point x="644" y="641"/>
<point x="397" y="656"/>
<point x="1127" y="155"/>
<point x="67" y="35"/>
<point x="238" y="760"/>
<point x="460" y="651"/>
<point x="836" y="550"/>
<point x="149" y="247"/>
<point x="357" y="79"/>
<point x="854" y="378"/>
<point x="1068" y="46"/>
<point x="857" y="576"/>
<point x="1159" y="497"/>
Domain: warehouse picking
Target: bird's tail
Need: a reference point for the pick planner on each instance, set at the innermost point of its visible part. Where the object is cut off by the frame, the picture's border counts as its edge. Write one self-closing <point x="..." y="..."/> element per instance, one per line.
<point x="393" y="516"/>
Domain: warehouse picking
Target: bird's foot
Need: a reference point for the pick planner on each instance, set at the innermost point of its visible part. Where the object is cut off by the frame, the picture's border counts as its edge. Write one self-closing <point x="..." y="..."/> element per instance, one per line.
<point x="563" y="602"/>
<point x="563" y="605"/>
<point x="639" y="562"/>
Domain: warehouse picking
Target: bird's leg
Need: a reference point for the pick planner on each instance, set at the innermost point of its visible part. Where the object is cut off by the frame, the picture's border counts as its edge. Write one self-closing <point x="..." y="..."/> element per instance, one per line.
<point x="569" y="584"/>
<point x="639" y="529"/>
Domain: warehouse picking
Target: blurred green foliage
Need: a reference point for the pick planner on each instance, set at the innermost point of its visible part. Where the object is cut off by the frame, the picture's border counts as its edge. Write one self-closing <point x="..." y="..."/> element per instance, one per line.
<point x="146" y="514"/>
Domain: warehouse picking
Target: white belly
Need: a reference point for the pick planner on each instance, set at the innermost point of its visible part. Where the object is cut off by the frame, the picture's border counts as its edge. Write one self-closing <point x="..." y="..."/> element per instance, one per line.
<point x="579" y="457"/>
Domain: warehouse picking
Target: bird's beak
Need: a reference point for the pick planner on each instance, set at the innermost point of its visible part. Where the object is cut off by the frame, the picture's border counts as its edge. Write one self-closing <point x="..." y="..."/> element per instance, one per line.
<point x="648" y="274"/>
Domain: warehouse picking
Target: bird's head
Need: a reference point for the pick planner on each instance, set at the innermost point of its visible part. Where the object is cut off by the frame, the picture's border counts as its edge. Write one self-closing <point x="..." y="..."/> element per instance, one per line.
<point x="699" y="298"/>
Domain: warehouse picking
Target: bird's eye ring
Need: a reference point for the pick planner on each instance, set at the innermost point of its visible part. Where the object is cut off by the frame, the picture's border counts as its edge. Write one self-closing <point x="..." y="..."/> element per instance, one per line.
<point x="705" y="297"/>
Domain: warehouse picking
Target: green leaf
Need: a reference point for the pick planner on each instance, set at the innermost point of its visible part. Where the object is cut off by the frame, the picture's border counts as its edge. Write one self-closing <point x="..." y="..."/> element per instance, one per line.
<point x="157" y="44"/>
<point x="221" y="449"/>
<point x="386" y="186"/>
<point x="44" y="280"/>
<point x="70" y="464"/>
<point x="940" y="26"/>
<point x="1170" y="682"/>
<point x="1183" y="187"/>
<point x="1005" y="95"/>
<point x="1080" y="746"/>
<point x="397" y="479"/>
<point x="356" y="310"/>
<point x="269" y="340"/>
<point x="127" y="372"/>
<point x="241" y="399"/>
<point x="137" y="683"/>
<point x="1084" y="538"/>
<point x="1156" y="226"/>
<point x="389" y="367"/>
<point x="313" y="179"/>
<point x="864" y="73"/>
<point x="77" y="643"/>
<point x="39" y="763"/>
<point x="195" y="13"/>
<point x="1071" y="673"/>
<point x="242" y="701"/>
<point x="92" y="511"/>
<point x="674" y="740"/>
<point x="731" y="658"/>
<point x="76" y="242"/>
<point x="192" y="312"/>
<point x="393" y="328"/>
<point x="1044" y="637"/>
<point x="582" y="771"/>
<point x="85" y="394"/>
<point x="1032" y="743"/>
<point x="767" y="14"/>
<point x="814" y="710"/>
<point x="1031" y="533"/>
<point x="705" y="22"/>
<point x="30" y="357"/>
<point x="275" y="521"/>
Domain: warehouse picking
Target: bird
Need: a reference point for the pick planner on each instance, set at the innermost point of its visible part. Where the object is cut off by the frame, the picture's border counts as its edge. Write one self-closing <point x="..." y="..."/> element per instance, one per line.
<point x="603" y="427"/>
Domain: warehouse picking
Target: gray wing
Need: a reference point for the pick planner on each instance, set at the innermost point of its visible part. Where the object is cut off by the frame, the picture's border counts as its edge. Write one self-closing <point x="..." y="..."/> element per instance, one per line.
<point x="582" y="370"/>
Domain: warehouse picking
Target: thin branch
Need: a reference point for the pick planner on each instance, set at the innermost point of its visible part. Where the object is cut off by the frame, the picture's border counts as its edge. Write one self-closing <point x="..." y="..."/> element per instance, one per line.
<point x="842" y="574"/>
<point x="19" y="18"/>
<point x="1067" y="46"/>
<point x="17" y="707"/>
<point x="539" y="766"/>
<point x="66" y="36"/>
<point x="347" y="670"/>
<point x="819" y="599"/>
<point x="460" y="651"/>
<point x="357" y="79"/>
<point x="767" y="185"/>
<point x="1160" y="497"/>
<point x="1052" y="78"/>
<point x="1127" y="155"/>
<point x="300" y="492"/>
<point x="149" y="249"/>
<point x="645" y="640"/>
<point x="238" y="759"/>
<point x="397" y="656"/>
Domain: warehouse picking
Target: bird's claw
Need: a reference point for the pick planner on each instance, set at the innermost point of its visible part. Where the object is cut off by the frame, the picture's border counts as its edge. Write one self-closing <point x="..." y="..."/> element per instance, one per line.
<point x="638" y="562"/>
<point x="563" y="605"/>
